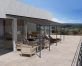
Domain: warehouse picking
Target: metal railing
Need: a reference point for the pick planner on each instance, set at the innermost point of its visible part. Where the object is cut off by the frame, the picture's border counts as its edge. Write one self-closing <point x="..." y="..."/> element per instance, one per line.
<point x="78" y="55"/>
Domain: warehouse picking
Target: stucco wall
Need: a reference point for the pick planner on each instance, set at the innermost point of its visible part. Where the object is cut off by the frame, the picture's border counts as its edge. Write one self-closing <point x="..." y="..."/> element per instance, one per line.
<point x="14" y="7"/>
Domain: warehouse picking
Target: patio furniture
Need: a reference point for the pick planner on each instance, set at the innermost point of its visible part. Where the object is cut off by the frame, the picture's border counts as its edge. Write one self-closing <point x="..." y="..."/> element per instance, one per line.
<point x="18" y="45"/>
<point x="27" y="49"/>
<point x="45" y="43"/>
<point x="31" y="39"/>
<point x="19" y="42"/>
<point x="54" y="40"/>
<point x="34" y="34"/>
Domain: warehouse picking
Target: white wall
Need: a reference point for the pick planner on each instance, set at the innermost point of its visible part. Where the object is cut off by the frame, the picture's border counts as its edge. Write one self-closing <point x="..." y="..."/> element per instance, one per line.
<point x="14" y="7"/>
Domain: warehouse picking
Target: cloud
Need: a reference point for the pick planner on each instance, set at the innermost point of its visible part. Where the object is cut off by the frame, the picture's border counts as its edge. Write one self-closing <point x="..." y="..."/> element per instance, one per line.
<point x="58" y="20"/>
<point x="63" y="20"/>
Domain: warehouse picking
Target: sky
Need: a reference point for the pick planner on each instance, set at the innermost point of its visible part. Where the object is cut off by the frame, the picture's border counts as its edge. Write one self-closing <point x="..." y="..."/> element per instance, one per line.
<point x="64" y="11"/>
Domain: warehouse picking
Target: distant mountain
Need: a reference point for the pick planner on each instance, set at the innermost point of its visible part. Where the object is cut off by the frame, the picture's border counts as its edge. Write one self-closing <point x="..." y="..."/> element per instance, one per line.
<point x="72" y="24"/>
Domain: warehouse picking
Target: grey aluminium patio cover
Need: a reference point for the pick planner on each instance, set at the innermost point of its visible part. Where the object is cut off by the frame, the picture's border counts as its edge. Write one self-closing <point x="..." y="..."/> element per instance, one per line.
<point x="36" y="20"/>
<point x="42" y="21"/>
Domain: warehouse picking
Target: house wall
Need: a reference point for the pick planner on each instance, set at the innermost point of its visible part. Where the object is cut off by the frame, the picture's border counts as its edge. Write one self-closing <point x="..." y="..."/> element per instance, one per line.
<point x="14" y="7"/>
<point x="1" y="29"/>
<point x="4" y="5"/>
<point x="5" y="43"/>
<point x="8" y="26"/>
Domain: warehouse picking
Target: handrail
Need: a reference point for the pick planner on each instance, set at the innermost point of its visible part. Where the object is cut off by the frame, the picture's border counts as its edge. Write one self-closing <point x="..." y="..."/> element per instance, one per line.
<point x="75" y="59"/>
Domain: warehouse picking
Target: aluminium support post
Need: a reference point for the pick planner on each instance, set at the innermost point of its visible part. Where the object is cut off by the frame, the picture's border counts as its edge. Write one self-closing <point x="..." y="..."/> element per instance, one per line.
<point x="44" y="31"/>
<point x="49" y="38"/>
<point x="60" y="33"/>
<point x="64" y="33"/>
<point x="40" y="42"/>
<point x="25" y="29"/>
<point x="14" y="33"/>
<point x="56" y="35"/>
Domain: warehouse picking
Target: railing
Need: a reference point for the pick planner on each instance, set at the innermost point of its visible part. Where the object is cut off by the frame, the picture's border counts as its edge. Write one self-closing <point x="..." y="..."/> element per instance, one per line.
<point x="77" y="58"/>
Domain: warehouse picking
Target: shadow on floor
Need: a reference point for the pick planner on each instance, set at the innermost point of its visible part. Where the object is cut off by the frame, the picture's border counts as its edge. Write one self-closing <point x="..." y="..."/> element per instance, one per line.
<point x="4" y="51"/>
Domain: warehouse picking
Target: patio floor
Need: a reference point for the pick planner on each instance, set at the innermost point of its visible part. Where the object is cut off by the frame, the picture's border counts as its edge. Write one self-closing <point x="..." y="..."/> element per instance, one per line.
<point x="60" y="55"/>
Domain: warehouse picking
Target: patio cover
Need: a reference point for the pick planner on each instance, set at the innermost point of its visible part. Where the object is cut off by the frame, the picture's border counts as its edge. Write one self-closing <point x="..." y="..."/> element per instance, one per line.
<point x="36" y="20"/>
<point x="42" y="21"/>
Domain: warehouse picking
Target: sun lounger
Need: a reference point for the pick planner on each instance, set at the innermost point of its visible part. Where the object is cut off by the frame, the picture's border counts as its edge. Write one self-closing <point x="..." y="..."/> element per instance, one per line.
<point x="52" y="40"/>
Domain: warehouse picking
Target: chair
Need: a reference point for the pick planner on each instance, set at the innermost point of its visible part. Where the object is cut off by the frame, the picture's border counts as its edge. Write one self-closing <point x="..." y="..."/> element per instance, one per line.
<point x="28" y="48"/>
<point x="18" y="45"/>
<point x="34" y="34"/>
<point x="19" y="42"/>
<point x="45" y="43"/>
